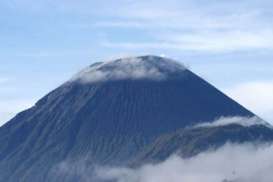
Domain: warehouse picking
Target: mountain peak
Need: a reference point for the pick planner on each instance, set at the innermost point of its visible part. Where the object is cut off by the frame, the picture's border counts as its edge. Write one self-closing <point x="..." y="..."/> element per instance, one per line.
<point x="123" y="123"/>
<point x="141" y="67"/>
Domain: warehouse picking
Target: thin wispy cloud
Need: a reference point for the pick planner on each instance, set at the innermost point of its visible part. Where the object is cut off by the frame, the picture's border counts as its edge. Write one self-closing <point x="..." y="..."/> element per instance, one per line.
<point x="214" y="42"/>
<point x="237" y="120"/>
<point x="176" y="25"/>
<point x="190" y="28"/>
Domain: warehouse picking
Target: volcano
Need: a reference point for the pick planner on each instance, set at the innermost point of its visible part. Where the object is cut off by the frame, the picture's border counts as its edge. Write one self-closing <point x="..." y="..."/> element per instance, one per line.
<point x="123" y="112"/>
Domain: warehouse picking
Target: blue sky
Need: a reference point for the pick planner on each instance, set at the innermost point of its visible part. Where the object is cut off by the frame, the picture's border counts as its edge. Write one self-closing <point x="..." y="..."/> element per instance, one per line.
<point x="44" y="42"/>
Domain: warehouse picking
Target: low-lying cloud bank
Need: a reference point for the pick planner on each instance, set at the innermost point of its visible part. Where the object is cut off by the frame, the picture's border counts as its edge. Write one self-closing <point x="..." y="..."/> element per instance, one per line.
<point x="231" y="163"/>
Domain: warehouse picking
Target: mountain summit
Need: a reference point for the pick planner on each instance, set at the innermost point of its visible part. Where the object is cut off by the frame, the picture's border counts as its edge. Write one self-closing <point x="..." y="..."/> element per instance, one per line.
<point x="135" y="68"/>
<point x="122" y="112"/>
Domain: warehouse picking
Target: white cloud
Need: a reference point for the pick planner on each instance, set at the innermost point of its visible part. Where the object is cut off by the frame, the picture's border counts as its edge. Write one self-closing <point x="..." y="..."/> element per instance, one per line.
<point x="257" y="96"/>
<point x="243" y="121"/>
<point x="231" y="163"/>
<point x="129" y="68"/>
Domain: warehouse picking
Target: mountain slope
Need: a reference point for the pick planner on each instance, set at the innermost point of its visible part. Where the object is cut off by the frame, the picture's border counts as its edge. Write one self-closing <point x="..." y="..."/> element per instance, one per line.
<point x="112" y="112"/>
<point x="191" y="141"/>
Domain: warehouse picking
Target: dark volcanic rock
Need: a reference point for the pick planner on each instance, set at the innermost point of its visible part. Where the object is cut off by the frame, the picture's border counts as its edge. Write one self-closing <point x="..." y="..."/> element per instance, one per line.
<point x="191" y="141"/>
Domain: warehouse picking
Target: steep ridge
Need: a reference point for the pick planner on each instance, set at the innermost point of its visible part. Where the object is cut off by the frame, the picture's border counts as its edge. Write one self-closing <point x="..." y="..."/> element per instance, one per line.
<point x="191" y="141"/>
<point x="118" y="112"/>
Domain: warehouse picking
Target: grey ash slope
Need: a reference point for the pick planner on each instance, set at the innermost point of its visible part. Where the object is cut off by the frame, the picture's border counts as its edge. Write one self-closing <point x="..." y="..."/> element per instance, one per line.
<point x="118" y="112"/>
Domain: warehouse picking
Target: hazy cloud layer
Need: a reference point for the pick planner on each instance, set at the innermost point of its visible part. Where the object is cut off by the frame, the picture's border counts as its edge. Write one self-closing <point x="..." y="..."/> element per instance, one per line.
<point x="231" y="163"/>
